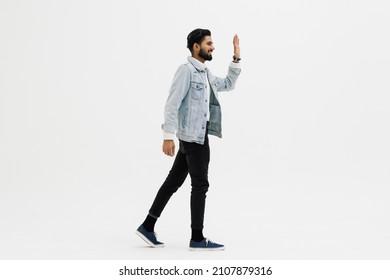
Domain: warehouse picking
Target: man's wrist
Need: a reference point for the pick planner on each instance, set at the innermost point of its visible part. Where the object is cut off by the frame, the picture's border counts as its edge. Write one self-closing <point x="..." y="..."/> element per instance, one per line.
<point x="236" y="59"/>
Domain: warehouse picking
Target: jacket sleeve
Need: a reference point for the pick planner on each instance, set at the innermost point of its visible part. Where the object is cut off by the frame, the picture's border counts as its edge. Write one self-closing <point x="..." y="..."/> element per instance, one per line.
<point x="178" y="91"/>
<point x="228" y="83"/>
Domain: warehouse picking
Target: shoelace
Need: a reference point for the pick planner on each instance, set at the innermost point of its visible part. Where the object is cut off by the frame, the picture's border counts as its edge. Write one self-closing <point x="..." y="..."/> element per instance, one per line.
<point x="155" y="235"/>
<point x="209" y="241"/>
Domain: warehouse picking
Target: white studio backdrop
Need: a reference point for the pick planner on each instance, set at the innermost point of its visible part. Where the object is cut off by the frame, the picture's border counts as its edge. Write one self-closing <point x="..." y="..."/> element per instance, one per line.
<point x="303" y="164"/>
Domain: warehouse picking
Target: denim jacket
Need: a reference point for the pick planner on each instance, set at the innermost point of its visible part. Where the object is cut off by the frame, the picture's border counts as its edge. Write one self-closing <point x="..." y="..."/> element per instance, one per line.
<point x="186" y="108"/>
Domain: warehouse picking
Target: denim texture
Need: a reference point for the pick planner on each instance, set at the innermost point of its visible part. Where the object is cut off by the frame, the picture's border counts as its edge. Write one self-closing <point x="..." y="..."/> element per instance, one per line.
<point x="186" y="107"/>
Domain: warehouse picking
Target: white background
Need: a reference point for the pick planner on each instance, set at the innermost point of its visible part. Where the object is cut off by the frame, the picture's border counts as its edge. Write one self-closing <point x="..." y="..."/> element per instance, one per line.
<point x="302" y="171"/>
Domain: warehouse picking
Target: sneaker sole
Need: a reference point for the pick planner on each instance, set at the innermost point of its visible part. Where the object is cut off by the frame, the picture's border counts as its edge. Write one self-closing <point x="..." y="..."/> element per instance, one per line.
<point x="207" y="249"/>
<point x="144" y="238"/>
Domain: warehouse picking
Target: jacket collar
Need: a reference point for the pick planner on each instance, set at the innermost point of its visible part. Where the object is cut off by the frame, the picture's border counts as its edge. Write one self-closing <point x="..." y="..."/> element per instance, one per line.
<point x="197" y="64"/>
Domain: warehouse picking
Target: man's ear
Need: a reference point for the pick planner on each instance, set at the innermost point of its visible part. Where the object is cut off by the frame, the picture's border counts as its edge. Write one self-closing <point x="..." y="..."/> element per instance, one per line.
<point x="196" y="47"/>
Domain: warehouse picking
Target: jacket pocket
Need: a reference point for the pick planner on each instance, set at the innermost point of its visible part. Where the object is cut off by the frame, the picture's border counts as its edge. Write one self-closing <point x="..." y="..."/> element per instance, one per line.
<point x="197" y="90"/>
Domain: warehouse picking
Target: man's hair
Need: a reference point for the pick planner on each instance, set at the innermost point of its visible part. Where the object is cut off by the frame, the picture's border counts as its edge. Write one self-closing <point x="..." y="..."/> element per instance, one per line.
<point x="196" y="36"/>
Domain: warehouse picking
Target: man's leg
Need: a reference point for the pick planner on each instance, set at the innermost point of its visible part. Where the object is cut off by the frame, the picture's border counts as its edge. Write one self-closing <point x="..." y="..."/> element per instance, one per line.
<point x="172" y="183"/>
<point x="198" y="158"/>
<point x="175" y="179"/>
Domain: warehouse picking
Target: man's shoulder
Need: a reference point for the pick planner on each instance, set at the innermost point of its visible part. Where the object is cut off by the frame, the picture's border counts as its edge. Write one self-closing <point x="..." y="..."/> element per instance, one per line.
<point x="186" y="67"/>
<point x="186" y="64"/>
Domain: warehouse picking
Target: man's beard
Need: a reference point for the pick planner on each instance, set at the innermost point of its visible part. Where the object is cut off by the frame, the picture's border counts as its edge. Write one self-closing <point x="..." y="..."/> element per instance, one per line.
<point x="205" y="55"/>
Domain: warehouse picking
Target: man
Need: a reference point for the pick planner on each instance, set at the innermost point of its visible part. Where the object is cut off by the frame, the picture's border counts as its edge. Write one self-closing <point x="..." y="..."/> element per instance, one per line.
<point x="193" y="111"/>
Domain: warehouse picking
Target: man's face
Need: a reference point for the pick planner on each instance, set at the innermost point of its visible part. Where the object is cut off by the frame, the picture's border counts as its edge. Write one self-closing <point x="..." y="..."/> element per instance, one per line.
<point x="206" y="48"/>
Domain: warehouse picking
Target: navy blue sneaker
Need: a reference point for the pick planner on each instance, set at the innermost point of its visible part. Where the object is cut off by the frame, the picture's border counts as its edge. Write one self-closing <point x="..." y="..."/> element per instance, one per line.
<point x="205" y="245"/>
<point x="149" y="237"/>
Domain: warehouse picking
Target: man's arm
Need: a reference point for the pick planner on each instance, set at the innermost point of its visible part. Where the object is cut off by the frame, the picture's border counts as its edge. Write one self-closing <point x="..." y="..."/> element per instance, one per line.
<point x="228" y="83"/>
<point x="179" y="89"/>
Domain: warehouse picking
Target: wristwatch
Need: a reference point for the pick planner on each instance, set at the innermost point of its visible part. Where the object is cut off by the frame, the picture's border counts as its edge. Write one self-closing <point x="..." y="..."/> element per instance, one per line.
<point x="236" y="59"/>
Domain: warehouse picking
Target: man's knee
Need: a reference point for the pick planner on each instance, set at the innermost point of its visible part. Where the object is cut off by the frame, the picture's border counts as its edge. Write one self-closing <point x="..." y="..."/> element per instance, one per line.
<point x="201" y="186"/>
<point x="171" y="189"/>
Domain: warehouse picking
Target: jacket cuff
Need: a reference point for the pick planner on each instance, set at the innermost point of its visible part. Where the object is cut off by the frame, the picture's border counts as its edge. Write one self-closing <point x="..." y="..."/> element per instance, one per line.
<point x="168" y="136"/>
<point x="235" y="65"/>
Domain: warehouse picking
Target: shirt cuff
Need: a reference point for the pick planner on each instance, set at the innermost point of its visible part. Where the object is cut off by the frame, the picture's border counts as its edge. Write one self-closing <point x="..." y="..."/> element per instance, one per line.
<point x="235" y="65"/>
<point x="168" y="136"/>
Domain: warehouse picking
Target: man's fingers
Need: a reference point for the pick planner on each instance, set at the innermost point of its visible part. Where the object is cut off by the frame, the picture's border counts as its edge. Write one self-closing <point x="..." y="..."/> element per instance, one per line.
<point x="236" y="40"/>
<point x="169" y="148"/>
<point x="173" y="151"/>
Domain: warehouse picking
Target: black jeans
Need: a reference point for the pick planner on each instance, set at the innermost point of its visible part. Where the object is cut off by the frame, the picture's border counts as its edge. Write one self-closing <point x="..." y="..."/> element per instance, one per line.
<point x="191" y="158"/>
